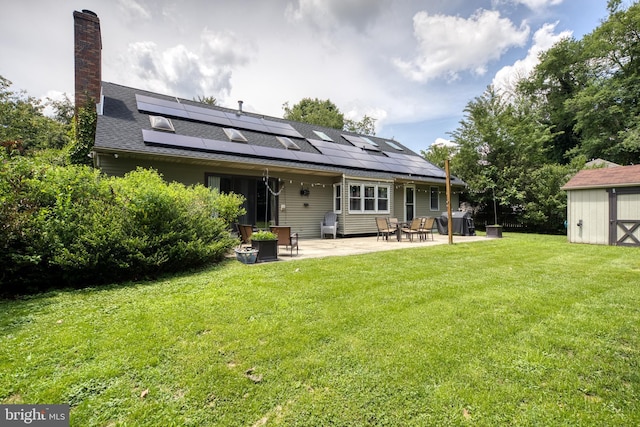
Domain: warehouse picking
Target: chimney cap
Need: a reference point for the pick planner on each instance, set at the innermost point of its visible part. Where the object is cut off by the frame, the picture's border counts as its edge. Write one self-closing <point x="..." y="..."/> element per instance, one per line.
<point x="89" y="12"/>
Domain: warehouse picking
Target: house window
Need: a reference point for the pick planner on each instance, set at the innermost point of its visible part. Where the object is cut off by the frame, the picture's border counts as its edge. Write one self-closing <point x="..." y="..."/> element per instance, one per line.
<point x="369" y="198"/>
<point x="355" y="195"/>
<point x="337" y="198"/>
<point x="435" y="199"/>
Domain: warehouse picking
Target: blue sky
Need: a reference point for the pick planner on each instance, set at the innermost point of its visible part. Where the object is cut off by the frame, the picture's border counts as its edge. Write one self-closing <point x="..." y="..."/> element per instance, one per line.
<point x="412" y="65"/>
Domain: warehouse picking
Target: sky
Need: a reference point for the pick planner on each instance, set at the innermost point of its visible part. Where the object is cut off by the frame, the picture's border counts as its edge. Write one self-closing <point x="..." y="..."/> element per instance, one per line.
<point x="411" y="65"/>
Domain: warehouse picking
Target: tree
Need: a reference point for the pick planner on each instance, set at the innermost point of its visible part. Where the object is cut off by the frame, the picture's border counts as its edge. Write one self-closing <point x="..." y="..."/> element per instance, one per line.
<point x="608" y="109"/>
<point x="315" y="112"/>
<point x="23" y="126"/>
<point x="437" y="153"/>
<point x="210" y="100"/>
<point x="557" y="79"/>
<point x="366" y="126"/>
<point x="501" y="144"/>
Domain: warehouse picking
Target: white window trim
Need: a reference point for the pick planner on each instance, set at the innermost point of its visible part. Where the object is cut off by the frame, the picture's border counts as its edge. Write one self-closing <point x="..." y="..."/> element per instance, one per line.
<point x="362" y="199"/>
<point x="335" y="196"/>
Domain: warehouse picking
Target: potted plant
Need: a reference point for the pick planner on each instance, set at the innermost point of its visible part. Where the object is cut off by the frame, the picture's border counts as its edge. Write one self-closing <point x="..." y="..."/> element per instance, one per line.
<point x="246" y="255"/>
<point x="266" y="243"/>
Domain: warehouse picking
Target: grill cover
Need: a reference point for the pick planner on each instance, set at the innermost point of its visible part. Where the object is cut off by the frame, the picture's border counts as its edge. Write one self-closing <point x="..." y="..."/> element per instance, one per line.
<point x="462" y="223"/>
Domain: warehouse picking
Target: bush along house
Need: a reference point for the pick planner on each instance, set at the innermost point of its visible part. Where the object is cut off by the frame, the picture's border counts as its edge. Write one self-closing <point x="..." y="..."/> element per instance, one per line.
<point x="291" y="173"/>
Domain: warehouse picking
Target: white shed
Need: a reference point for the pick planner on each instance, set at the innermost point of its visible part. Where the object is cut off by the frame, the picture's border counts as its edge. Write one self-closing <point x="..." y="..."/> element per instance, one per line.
<point x="603" y="206"/>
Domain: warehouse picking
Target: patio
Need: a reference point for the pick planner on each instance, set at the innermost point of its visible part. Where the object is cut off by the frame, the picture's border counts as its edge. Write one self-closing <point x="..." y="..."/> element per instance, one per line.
<point x="318" y="248"/>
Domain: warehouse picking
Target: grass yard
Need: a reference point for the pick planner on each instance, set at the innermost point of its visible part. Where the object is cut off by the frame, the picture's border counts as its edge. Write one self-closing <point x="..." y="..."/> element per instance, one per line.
<point x="525" y="330"/>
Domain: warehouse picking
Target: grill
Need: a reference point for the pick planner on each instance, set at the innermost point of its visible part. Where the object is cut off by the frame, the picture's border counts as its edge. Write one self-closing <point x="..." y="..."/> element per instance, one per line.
<point x="462" y="223"/>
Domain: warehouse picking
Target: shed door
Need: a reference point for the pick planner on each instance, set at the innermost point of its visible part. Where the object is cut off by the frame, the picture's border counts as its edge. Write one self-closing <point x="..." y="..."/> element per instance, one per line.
<point x="624" y="216"/>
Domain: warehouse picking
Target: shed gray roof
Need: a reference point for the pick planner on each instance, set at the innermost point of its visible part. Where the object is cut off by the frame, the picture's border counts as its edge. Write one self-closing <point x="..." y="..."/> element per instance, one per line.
<point x="622" y="176"/>
<point x="124" y="127"/>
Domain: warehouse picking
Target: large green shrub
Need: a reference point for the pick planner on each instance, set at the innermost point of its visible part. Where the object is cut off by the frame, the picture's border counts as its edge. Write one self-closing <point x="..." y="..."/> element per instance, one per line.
<point x="72" y="226"/>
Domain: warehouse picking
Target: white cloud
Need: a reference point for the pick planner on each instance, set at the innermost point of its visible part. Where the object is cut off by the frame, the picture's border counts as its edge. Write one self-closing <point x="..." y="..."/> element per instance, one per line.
<point x="358" y="112"/>
<point x="538" y="4"/>
<point x="183" y="72"/>
<point x="133" y="10"/>
<point x="543" y="39"/>
<point x="54" y="95"/>
<point x="448" y="45"/>
<point x="331" y="14"/>
<point x="441" y="142"/>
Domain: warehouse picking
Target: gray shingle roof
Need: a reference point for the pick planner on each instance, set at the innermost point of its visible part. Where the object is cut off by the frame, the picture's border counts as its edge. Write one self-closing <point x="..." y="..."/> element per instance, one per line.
<point x="120" y="127"/>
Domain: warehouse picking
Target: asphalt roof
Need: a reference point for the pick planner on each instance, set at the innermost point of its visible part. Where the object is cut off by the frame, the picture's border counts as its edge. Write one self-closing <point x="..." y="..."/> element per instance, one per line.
<point x="124" y="126"/>
<point x="622" y="176"/>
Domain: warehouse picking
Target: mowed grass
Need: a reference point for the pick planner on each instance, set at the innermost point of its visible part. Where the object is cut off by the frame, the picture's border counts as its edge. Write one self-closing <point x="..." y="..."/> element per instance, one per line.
<point x="525" y="330"/>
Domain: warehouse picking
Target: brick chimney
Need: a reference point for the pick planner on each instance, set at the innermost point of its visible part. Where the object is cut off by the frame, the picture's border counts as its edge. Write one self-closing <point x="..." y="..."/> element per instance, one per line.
<point x="88" y="58"/>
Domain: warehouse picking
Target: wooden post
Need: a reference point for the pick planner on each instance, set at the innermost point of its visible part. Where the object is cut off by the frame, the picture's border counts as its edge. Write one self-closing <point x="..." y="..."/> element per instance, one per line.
<point x="449" y="215"/>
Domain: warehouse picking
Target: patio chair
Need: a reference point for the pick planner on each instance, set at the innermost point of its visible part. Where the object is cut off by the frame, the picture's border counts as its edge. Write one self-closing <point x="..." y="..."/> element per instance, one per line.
<point x="244" y="232"/>
<point x="286" y="238"/>
<point x="384" y="229"/>
<point x="329" y="225"/>
<point x="426" y="227"/>
<point x="413" y="228"/>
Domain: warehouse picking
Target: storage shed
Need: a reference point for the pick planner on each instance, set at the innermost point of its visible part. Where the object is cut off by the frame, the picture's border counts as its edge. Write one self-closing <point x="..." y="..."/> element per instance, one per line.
<point x="603" y="206"/>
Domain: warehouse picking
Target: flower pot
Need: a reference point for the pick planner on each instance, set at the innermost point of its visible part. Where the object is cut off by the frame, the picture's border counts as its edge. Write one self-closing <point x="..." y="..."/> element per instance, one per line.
<point x="494" y="231"/>
<point x="267" y="249"/>
<point x="246" y="255"/>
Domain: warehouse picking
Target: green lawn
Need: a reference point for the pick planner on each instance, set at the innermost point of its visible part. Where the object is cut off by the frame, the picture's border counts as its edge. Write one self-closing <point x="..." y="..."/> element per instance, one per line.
<point x="525" y="330"/>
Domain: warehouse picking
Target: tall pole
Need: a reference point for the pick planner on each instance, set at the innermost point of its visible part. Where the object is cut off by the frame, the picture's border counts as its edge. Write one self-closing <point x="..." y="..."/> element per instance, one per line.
<point x="449" y="215"/>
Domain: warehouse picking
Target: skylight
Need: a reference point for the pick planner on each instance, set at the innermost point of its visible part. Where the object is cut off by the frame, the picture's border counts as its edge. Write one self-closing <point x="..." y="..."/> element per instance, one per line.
<point x="394" y="145"/>
<point x="235" y="135"/>
<point x="323" y="135"/>
<point x="161" y="123"/>
<point x="368" y="140"/>
<point x="361" y="142"/>
<point x="288" y="143"/>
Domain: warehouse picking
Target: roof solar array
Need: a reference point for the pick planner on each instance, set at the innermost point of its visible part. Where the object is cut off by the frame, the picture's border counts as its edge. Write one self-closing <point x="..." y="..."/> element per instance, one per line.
<point x="332" y="154"/>
<point x="208" y="115"/>
<point x="345" y="157"/>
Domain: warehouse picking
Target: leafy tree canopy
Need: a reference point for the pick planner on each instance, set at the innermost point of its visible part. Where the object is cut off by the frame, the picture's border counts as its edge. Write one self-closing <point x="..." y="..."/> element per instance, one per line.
<point x="210" y="100"/>
<point x="366" y="126"/>
<point x="315" y="112"/>
<point x="24" y="127"/>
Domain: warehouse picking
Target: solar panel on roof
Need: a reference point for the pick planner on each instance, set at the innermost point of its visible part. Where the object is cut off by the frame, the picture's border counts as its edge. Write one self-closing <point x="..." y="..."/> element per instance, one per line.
<point x="228" y="147"/>
<point x="164" y="138"/>
<point x="360" y="142"/>
<point x="341" y="155"/>
<point x="209" y="115"/>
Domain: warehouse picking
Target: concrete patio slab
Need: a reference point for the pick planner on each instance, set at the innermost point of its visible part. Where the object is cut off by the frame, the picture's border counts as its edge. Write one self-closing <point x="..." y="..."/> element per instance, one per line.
<point x="318" y="248"/>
